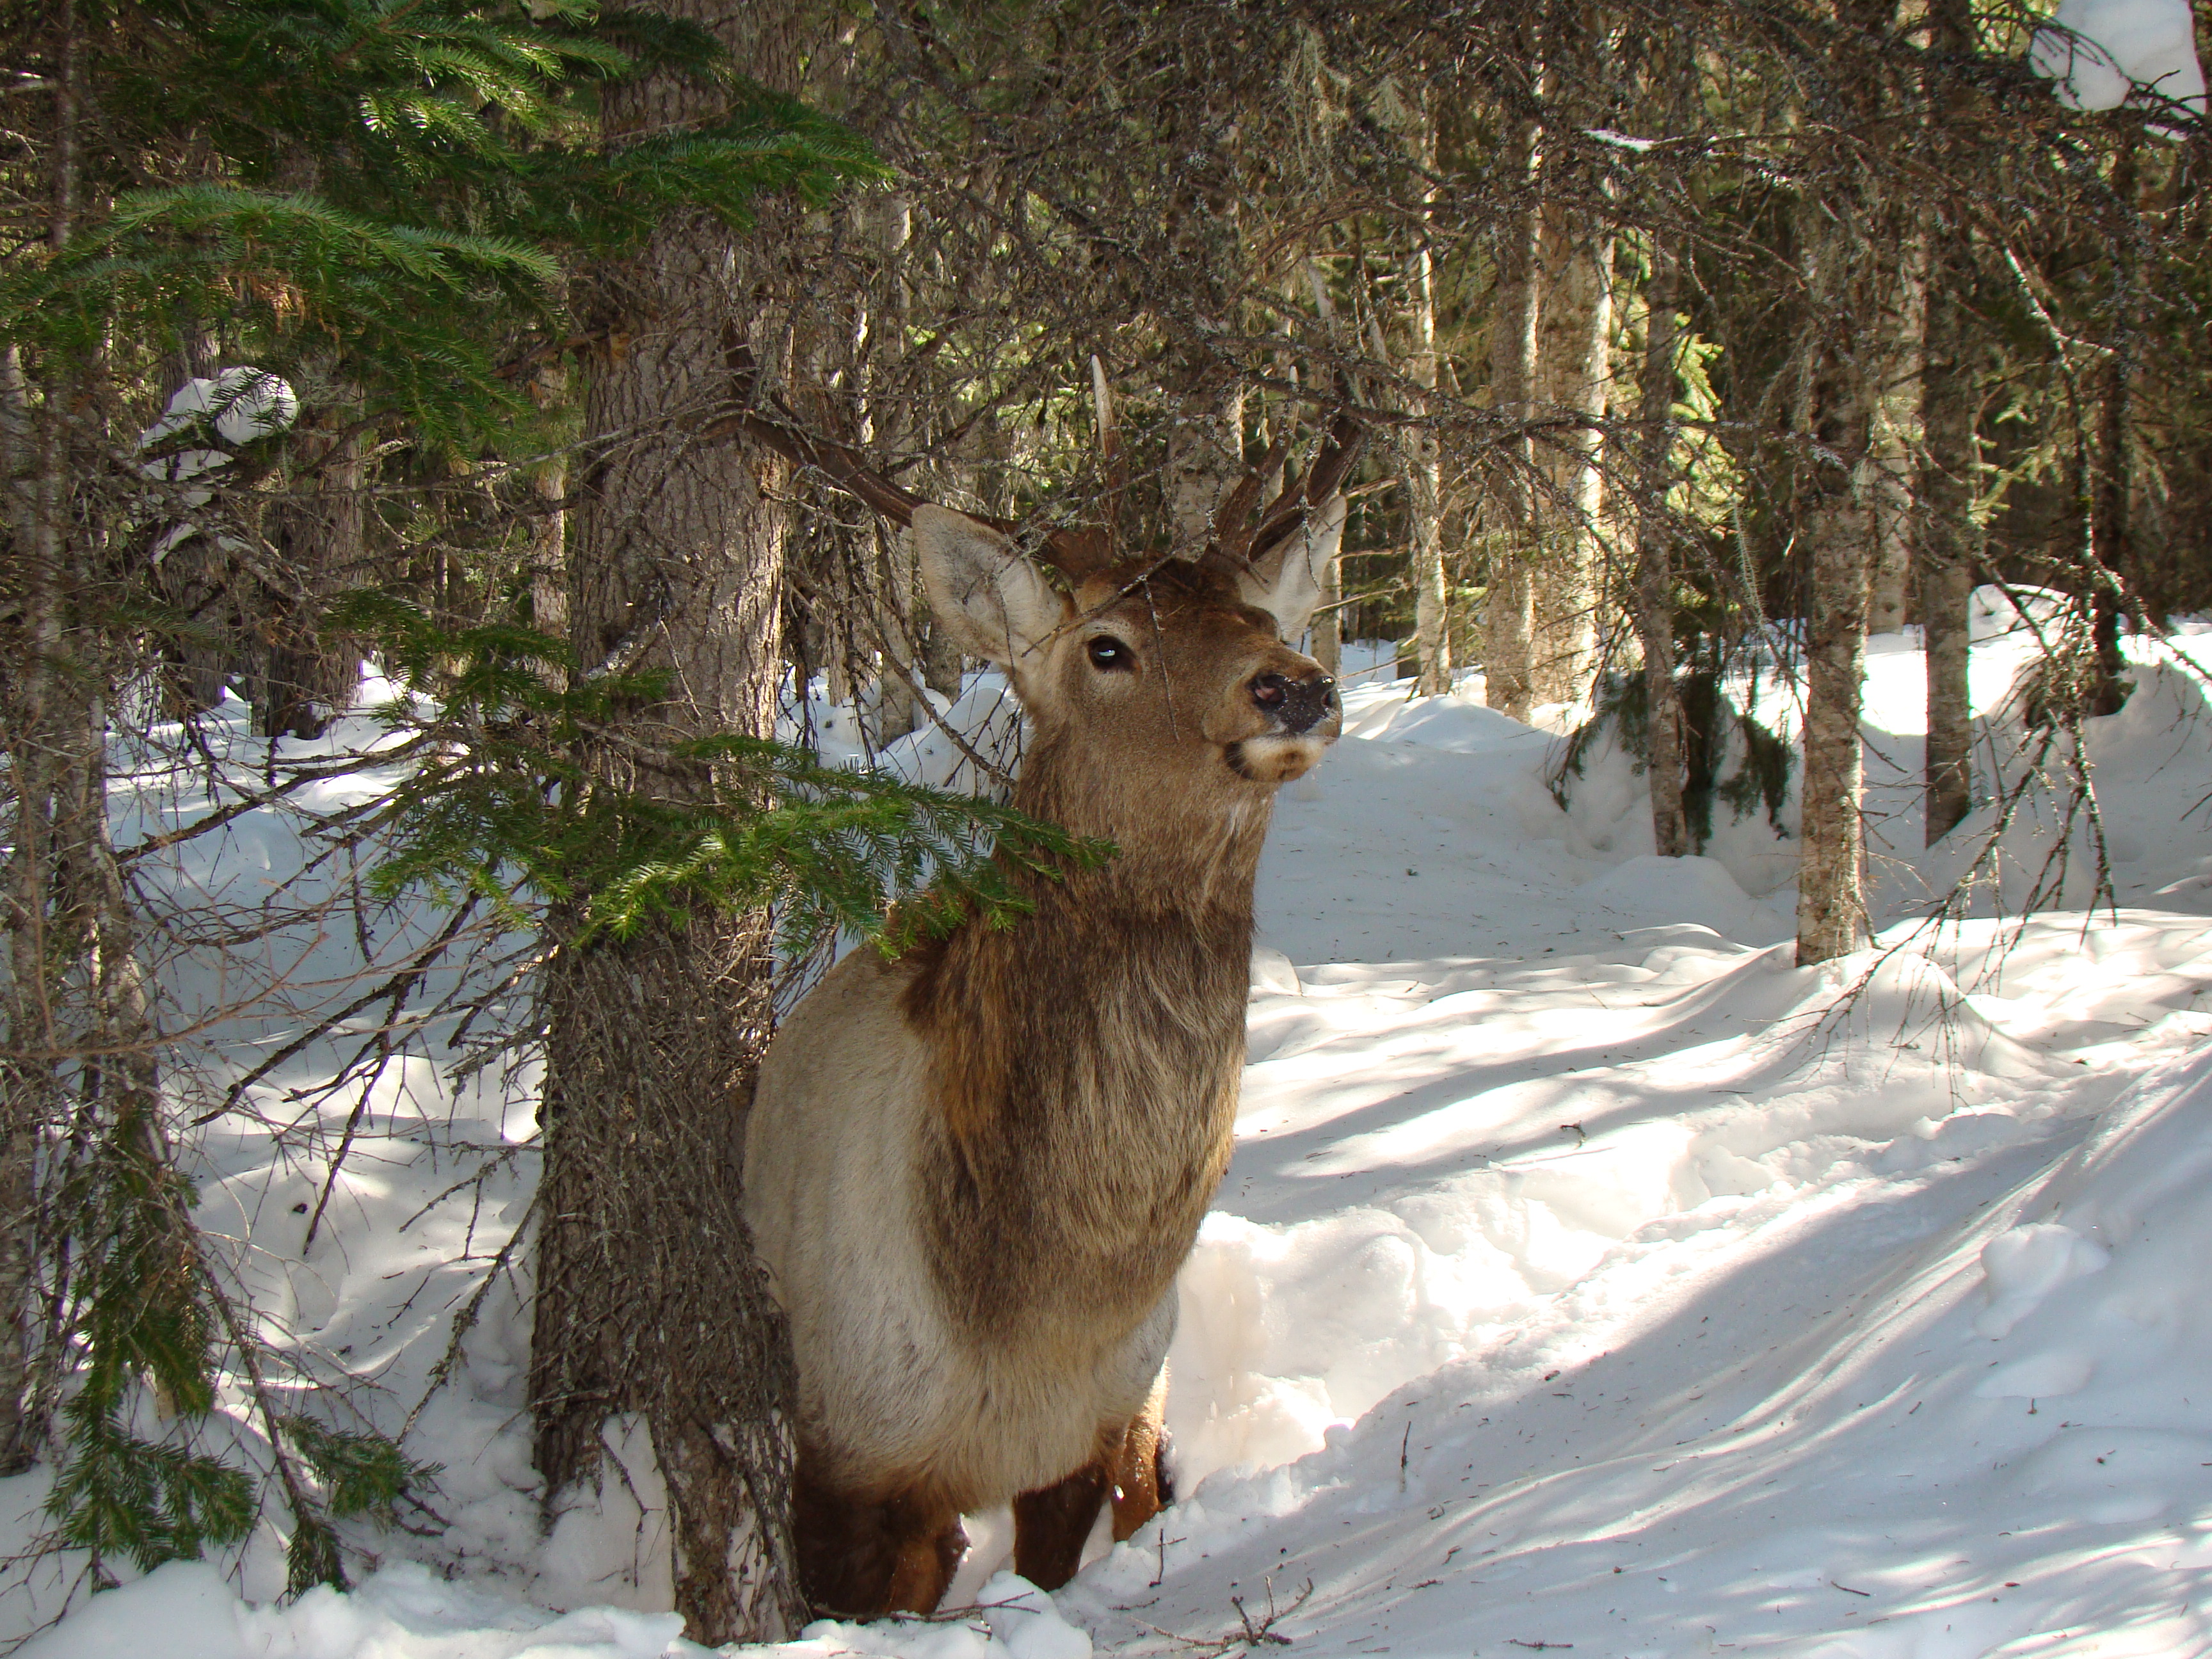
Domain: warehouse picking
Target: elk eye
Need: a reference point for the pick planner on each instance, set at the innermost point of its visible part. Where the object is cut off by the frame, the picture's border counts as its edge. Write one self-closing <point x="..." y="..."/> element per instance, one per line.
<point x="1109" y="653"/>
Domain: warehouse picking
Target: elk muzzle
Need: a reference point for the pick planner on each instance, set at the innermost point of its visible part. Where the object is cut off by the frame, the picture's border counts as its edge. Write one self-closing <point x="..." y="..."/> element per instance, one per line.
<point x="1297" y="706"/>
<point x="1305" y="716"/>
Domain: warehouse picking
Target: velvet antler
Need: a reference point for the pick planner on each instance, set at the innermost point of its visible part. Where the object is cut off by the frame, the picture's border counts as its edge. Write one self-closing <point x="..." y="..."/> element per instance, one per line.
<point x="1075" y="553"/>
<point x="1235" y="542"/>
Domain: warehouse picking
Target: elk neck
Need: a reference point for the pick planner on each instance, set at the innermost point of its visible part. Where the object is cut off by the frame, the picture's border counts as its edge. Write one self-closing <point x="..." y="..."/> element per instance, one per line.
<point x="1085" y="1061"/>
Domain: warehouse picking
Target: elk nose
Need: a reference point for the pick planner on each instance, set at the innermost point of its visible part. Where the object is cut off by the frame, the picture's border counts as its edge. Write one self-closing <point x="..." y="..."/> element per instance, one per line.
<point x="1300" y="705"/>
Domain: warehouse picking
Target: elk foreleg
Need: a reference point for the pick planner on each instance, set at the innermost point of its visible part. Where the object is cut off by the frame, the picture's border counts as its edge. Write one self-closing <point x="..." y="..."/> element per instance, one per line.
<point x="1051" y="1523"/>
<point x="861" y="1556"/>
<point x="1141" y="1486"/>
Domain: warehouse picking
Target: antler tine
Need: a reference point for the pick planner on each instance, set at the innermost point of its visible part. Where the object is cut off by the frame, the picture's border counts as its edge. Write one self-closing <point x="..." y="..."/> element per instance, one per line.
<point x="1339" y="450"/>
<point x="843" y="467"/>
<point x="1075" y="553"/>
<point x="1114" y="465"/>
<point x="1230" y="541"/>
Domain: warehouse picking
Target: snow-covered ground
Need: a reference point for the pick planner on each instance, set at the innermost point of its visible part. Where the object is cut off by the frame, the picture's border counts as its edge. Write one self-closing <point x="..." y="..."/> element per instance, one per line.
<point x="1588" y="1276"/>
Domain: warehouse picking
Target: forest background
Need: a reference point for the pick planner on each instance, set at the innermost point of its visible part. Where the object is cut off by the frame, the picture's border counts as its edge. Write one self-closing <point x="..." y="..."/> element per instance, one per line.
<point x="578" y="367"/>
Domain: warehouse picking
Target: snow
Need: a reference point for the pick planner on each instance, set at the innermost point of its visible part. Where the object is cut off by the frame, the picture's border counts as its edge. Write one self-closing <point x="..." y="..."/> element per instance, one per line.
<point x="1587" y="1273"/>
<point x="246" y="404"/>
<point x="2102" y="52"/>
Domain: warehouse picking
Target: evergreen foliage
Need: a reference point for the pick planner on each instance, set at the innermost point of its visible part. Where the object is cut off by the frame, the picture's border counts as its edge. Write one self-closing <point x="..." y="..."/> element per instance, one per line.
<point x="388" y="197"/>
<point x="141" y="1314"/>
<point x="362" y="1475"/>
<point x="397" y="185"/>
<point x="498" y="809"/>
<point x="1715" y="733"/>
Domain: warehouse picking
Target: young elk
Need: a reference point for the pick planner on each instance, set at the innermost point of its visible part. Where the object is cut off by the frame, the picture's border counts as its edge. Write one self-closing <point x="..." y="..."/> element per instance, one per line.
<point x="973" y="1172"/>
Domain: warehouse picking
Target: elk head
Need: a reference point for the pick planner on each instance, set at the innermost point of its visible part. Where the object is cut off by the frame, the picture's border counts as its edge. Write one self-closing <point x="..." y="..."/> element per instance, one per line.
<point x="1163" y="670"/>
<point x="1182" y="664"/>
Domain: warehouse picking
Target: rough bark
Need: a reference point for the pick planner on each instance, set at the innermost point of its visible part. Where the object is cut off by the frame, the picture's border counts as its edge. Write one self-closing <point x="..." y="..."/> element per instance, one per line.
<point x="1897" y="438"/>
<point x="1509" y="617"/>
<point x="197" y="657"/>
<point x="941" y="661"/>
<point x="1205" y="457"/>
<point x="1950" y="540"/>
<point x="1949" y="547"/>
<point x="1837" y="524"/>
<point x="42" y="726"/>
<point x="547" y="566"/>
<point x="900" y="605"/>
<point x="31" y="1088"/>
<point x="1573" y="373"/>
<point x="1655" y="555"/>
<point x="649" y="1299"/>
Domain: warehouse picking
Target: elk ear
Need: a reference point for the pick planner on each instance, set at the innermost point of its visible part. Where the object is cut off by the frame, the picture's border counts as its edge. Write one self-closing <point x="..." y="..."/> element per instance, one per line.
<point x="991" y="599"/>
<point x="1285" y="580"/>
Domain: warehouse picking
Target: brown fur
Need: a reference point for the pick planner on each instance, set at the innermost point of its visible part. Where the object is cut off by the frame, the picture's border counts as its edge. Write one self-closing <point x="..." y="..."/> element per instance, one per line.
<point x="1074" y="1079"/>
<point x="860" y="1556"/>
<point x="1141" y="1486"/>
<point x="1051" y="1525"/>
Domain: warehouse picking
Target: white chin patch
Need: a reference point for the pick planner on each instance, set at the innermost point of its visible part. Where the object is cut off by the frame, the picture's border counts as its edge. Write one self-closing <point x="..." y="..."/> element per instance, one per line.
<point x="1276" y="758"/>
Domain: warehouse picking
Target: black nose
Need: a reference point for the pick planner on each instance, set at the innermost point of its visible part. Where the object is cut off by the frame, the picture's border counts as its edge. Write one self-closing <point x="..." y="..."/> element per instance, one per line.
<point x="1300" y="705"/>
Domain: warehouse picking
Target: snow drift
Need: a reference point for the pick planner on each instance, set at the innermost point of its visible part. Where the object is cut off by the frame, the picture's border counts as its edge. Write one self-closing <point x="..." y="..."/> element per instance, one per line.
<point x="1587" y="1273"/>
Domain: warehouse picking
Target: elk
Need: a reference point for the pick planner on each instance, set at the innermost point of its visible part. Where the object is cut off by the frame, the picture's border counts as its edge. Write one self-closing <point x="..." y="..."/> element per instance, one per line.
<point x="973" y="1172"/>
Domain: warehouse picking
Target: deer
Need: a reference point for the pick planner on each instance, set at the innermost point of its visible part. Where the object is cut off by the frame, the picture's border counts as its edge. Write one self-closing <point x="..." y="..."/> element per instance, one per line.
<point x="973" y="1173"/>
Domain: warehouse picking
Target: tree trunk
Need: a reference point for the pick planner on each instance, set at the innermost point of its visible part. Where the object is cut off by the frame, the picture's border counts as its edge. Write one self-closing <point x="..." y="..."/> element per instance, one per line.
<point x="1949" y="547"/>
<point x="1422" y="469"/>
<point x="1896" y="439"/>
<point x="1950" y="540"/>
<point x="886" y="226"/>
<point x="1574" y="370"/>
<point x="1655" y="560"/>
<point x="301" y="675"/>
<point x="649" y="1299"/>
<point x="547" y="558"/>
<point x="2112" y="526"/>
<point x="39" y="939"/>
<point x="1838" y="531"/>
<point x="1327" y="646"/>
<point x="1509" y="618"/>
<point x="1206" y="456"/>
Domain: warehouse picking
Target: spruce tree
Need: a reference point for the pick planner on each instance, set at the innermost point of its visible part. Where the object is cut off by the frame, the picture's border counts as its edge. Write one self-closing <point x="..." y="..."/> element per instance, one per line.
<point x="387" y="201"/>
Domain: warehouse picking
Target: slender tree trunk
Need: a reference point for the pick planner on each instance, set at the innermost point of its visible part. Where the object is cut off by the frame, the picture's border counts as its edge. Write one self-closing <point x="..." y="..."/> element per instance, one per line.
<point x="649" y="1298"/>
<point x="1897" y="438"/>
<point x="31" y="1092"/>
<point x="1838" y="530"/>
<point x="1509" y="618"/>
<point x="1329" y="621"/>
<point x="41" y="727"/>
<point x="900" y="605"/>
<point x="1422" y="469"/>
<point x="548" y="566"/>
<point x="1655" y="560"/>
<point x="2113" y="529"/>
<point x="941" y="662"/>
<point x="304" y="676"/>
<point x="1950" y="541"/>
<point x="1574" y="372"/>
<point x="1949" y="547"/>
<point x="1205" y="454"/>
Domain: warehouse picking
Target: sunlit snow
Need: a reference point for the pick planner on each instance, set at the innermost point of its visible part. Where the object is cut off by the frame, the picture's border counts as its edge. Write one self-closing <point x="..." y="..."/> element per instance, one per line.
<point x="1588" y="1275"/>
<point x="2102" y="52"/>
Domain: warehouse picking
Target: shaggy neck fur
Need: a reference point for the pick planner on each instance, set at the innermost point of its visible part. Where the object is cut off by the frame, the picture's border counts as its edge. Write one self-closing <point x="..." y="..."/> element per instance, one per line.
<point x="1085" y="1061"/>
